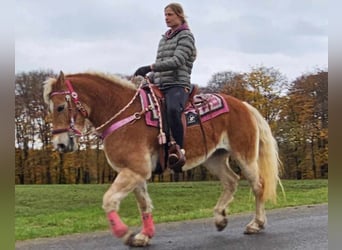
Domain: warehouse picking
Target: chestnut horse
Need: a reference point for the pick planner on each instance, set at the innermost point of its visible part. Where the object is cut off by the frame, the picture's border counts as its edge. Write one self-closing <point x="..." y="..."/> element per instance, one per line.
<point x="132" y="149"/>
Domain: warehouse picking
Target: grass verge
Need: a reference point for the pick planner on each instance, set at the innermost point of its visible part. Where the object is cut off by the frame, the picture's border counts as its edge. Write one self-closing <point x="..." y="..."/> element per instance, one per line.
<point x="53" y="210"/>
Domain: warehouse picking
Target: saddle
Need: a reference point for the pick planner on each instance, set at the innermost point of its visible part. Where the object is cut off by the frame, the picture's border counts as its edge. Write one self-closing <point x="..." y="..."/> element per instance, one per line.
<point x="192" y="92"/>
<point x="199" y="108"/>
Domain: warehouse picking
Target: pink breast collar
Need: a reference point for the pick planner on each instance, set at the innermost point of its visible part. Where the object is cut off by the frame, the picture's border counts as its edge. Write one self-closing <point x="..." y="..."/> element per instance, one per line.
<point x="120" y="124"/>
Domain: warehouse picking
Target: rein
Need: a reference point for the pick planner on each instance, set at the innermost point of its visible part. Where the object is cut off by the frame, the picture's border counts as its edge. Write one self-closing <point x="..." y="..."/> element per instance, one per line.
<point x="115" y="126"/>
<point x="135" y="116"/>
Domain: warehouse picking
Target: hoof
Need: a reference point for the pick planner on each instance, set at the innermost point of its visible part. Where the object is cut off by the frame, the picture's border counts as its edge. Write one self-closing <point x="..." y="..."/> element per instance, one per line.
<point x="221" y="224"/>
<point x="254" y="227"/>
<point x="138" y="240"/>
<point x="127" y="238"/>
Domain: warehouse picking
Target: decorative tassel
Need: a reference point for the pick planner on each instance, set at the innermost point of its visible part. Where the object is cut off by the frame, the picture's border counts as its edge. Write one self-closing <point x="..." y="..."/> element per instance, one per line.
<point x="162" y="138"/>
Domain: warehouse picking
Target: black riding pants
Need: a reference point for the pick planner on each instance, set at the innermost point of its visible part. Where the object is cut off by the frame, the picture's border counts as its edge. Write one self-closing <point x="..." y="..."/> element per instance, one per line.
<point x="175" y="99"/>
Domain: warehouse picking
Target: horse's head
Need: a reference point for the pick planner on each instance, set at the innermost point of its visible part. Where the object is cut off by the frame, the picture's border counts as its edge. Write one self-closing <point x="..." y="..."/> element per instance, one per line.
<point x="67" y="113"/>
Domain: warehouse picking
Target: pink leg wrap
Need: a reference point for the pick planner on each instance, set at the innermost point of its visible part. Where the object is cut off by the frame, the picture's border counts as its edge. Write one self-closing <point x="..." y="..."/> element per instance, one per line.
<point x="119" y="229"/>
<point x="148" y="224"/>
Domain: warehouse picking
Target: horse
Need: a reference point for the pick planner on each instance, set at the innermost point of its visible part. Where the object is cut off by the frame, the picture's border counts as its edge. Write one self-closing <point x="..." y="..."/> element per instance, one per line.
<point x="241" y="134"/>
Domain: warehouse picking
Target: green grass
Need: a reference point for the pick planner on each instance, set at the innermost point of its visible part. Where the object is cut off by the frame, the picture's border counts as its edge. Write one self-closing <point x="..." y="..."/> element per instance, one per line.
<point x="52" y="210"/>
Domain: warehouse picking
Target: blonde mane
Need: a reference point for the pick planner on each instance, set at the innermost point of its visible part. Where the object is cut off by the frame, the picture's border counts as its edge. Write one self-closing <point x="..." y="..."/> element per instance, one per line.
<point x="47" y="88"/>
<point x="114" y="78"/>
<point x="109" y="77"/>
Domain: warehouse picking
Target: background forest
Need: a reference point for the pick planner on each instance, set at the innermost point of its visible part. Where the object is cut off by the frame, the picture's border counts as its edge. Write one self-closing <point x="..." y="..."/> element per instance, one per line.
<point x="296" y="111"/>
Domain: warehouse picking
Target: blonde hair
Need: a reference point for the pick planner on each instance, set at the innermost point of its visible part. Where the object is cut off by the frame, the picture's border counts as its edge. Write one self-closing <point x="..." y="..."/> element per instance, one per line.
<point x="178" y="9"/>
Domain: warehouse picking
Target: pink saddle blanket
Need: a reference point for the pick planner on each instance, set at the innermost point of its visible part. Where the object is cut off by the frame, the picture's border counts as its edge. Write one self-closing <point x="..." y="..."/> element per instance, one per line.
<point x="208" y="105"/>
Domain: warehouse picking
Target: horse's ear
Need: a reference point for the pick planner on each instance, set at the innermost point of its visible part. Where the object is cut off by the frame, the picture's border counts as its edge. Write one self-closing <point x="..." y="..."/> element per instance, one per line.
<point x="60" y="79"/>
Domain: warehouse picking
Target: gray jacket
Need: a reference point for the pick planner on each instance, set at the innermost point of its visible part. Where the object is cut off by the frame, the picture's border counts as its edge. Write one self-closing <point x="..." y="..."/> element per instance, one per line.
<point x="174" y="61"/>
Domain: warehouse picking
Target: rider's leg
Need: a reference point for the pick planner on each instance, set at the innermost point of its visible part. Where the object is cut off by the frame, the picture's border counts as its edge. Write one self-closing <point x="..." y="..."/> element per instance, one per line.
<point x="175" y="99"/>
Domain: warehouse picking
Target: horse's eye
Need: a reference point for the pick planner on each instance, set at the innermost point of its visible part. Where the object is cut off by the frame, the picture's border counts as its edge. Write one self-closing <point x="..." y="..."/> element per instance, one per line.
<point x="60" y="108"/>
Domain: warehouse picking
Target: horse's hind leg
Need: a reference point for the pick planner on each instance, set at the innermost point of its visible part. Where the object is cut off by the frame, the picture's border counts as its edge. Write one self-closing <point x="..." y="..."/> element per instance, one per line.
<point x="250" y="171"/>
<point x="218" y="165"/>
<point x="145" y="207"/>
<point x="125" y="182"/>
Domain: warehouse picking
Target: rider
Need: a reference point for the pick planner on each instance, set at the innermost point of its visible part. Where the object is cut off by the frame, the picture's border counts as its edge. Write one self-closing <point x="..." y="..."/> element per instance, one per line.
<point x="171" y="73"/>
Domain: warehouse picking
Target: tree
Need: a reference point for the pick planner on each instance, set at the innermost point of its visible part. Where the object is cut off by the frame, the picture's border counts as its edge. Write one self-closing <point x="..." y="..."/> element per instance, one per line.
<point x="304" y="123"/>
<point x="31" y="128"/>
<point x="220" y="80"/>
<point x="296" y="112"/>
<point x="266" y="87"/>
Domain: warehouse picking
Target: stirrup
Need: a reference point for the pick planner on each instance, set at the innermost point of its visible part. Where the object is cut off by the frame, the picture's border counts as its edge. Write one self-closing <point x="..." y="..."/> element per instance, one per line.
<point x="176" y="159"/>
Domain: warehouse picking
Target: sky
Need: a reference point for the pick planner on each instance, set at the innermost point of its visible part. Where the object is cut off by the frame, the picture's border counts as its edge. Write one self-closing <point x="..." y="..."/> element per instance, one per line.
<point x="118" y="36"/>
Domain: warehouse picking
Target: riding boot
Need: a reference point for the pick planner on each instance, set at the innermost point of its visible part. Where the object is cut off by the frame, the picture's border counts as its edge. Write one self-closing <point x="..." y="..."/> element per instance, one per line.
<point x="176" y="158"/>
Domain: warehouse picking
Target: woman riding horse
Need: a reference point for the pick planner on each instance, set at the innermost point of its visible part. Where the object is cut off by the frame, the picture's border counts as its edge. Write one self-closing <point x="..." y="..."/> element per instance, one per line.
<point x="242" y="133"/>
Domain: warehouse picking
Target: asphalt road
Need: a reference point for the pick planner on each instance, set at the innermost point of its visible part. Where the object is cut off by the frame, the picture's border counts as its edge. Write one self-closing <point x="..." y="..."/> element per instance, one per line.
<point x="304" y="227"/>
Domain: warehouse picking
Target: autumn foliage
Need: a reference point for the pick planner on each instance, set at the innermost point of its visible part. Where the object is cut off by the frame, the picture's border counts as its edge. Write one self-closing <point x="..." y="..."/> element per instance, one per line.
<point x="297" y="113"/>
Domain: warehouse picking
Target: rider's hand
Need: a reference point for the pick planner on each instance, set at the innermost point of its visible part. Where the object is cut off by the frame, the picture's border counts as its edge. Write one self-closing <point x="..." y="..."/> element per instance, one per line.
<point x="142" y="71"/>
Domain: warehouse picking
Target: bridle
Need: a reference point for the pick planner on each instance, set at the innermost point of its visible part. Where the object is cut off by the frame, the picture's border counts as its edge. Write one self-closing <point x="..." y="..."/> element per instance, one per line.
<point x="70" y="95"/>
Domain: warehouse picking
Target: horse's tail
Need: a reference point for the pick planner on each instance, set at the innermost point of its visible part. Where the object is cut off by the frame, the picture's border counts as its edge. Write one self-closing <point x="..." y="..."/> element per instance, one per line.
<point x="268" y="160"/>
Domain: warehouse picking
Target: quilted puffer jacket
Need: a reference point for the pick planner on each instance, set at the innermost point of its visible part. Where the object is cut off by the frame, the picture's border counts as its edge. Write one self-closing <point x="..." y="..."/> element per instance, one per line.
<point x="175" y="57"/>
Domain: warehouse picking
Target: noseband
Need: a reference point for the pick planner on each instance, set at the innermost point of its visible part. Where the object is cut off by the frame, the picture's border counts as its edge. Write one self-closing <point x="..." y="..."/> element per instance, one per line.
<point x="70" y="95"/>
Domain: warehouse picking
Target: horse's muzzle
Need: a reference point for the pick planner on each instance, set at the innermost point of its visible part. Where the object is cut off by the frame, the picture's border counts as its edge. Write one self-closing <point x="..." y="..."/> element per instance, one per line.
<point x="65" y="143"/>
<point x="62" y="148"/>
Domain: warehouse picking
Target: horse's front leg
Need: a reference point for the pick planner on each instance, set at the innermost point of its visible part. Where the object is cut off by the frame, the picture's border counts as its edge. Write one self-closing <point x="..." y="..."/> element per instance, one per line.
<point x="125" y="182"/>
<point x="145" y="206"/>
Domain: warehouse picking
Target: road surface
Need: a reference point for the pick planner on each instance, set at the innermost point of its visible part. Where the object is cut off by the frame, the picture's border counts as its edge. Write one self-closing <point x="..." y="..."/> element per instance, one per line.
<point x="304" y="227"/>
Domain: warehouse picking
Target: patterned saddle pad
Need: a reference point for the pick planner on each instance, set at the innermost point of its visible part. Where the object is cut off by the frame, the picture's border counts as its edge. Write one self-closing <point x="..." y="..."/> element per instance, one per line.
<point x="208" y="105"/>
